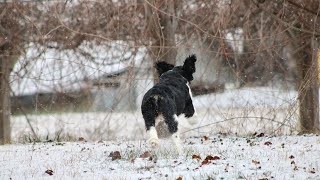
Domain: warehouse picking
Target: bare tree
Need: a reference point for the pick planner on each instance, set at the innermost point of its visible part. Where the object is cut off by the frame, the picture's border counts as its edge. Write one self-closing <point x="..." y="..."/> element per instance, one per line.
<point x="268" y="27"/>
<point x="303" y="37"/>
<point x="10" y="42"/>
<point x="161" y="25"/>
<point x="58" y="25"/>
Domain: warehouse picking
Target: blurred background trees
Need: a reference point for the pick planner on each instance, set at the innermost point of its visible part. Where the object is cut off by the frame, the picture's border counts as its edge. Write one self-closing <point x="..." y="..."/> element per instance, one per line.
<point x="249" y="43"/>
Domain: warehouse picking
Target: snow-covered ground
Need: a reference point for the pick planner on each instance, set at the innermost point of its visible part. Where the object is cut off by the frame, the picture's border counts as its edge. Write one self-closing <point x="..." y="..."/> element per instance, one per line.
<point x="241" y="112"/>
<point x="206" y="157"/>
<point x="242" y="134"/>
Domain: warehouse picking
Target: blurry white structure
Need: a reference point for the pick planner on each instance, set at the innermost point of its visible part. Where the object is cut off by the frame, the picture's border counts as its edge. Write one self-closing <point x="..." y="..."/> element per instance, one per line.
<point x="235" y="40"/>
<point x="107" y="71"/>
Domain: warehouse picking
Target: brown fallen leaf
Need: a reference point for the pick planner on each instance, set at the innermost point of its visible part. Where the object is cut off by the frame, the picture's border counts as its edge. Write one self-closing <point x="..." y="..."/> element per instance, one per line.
<point x="179" y="178"/>
<point x="205" y="162"/>
<point x="49" y="171"/>
<point x="146" y="154"/>
<point x="268" y="143"/>
<point x="255" y="162"/>
<point x="205" y="138"/>
<point x="115" y="155"/>
<point x="197" y="157"/>
<point x="211" y="158"/>
<point x="81" y="139"/>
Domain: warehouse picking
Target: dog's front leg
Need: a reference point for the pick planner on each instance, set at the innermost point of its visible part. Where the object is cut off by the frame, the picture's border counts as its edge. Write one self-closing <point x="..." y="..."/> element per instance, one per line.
<point x="193" y="119"/>
<point x="190" y="113"/>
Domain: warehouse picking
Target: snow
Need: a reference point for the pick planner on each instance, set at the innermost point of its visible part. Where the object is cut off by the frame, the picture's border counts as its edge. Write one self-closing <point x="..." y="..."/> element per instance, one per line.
<point x="249" y="132"/>
<point x="251" y="157"/>
<point x="238" y="111"/>
<point x="248" y="97"/>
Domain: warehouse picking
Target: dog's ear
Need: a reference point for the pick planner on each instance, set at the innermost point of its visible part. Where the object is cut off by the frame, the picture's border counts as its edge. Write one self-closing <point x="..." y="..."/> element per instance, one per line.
<point x="189" y="64"/>
<point x="163" y="67"/>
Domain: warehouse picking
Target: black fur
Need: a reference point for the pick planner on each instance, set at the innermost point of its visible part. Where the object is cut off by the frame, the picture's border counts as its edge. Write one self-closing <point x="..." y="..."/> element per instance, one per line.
<point x="171" y="95"/>
<point x="163" y="67"/>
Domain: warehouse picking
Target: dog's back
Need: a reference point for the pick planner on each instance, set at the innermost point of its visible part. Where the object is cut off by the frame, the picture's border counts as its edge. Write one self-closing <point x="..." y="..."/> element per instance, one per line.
<point x="166" y="98"/>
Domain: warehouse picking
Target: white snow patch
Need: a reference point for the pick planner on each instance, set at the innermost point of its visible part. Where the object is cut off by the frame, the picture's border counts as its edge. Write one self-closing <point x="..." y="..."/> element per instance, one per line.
<point x="284" y="157"/>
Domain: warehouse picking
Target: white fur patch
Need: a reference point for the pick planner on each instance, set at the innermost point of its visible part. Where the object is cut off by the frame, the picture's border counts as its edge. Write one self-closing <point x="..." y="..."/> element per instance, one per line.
<point x="162" y="127"/>
<point x="159" y="119"/>
<point x="175" y="117"/>
<point x="190" y="93"/>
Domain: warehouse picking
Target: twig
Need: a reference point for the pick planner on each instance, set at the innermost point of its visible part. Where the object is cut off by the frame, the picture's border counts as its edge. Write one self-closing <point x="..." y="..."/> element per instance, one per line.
<point x="234" y="118"/>
<point x="27" y="118"/>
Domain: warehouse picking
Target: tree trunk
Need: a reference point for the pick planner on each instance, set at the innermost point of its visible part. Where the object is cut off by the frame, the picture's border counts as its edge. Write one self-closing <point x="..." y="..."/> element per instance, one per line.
<point x="308" y="91"/>
<point x="5" y="130"/>
<point x="161" y="25"/>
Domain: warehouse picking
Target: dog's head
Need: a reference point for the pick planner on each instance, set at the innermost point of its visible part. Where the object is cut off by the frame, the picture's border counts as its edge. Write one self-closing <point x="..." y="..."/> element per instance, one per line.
<point x="186" y="70"/>
<point x="163" y="67"/>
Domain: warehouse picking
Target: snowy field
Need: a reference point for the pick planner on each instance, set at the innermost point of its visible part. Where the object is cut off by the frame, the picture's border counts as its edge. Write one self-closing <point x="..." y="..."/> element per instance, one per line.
<point x="235" y="112"/>
<point x="242" y="134"/>
<point x="213" y="157"/>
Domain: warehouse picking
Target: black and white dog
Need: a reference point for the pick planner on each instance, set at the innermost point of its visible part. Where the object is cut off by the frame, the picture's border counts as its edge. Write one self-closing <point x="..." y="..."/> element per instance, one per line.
<point x="168" y="99"/>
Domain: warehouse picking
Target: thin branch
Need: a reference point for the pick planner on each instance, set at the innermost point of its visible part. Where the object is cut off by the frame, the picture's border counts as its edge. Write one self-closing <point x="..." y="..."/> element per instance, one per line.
<point x="235" y="118"/>
<point x="300" y="7"/>
<point x="35" y="136"/>
<point x="285" y="23"/>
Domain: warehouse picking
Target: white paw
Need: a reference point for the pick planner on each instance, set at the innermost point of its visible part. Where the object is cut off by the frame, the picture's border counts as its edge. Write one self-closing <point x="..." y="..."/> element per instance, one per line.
<point x="154" y="142"/>
<point x="176" y="140"/>
<point x="193" y="120"/>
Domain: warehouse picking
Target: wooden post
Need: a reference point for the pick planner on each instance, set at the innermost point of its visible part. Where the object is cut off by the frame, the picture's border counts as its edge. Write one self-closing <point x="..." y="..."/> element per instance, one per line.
<point x="5" y="130"/>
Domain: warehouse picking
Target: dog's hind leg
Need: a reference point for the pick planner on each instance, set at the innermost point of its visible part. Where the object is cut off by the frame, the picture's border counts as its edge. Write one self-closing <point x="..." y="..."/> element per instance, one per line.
<point x="153" y="137"/>
<point x="172" y="123"/>
<point x="149" y="113"/>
